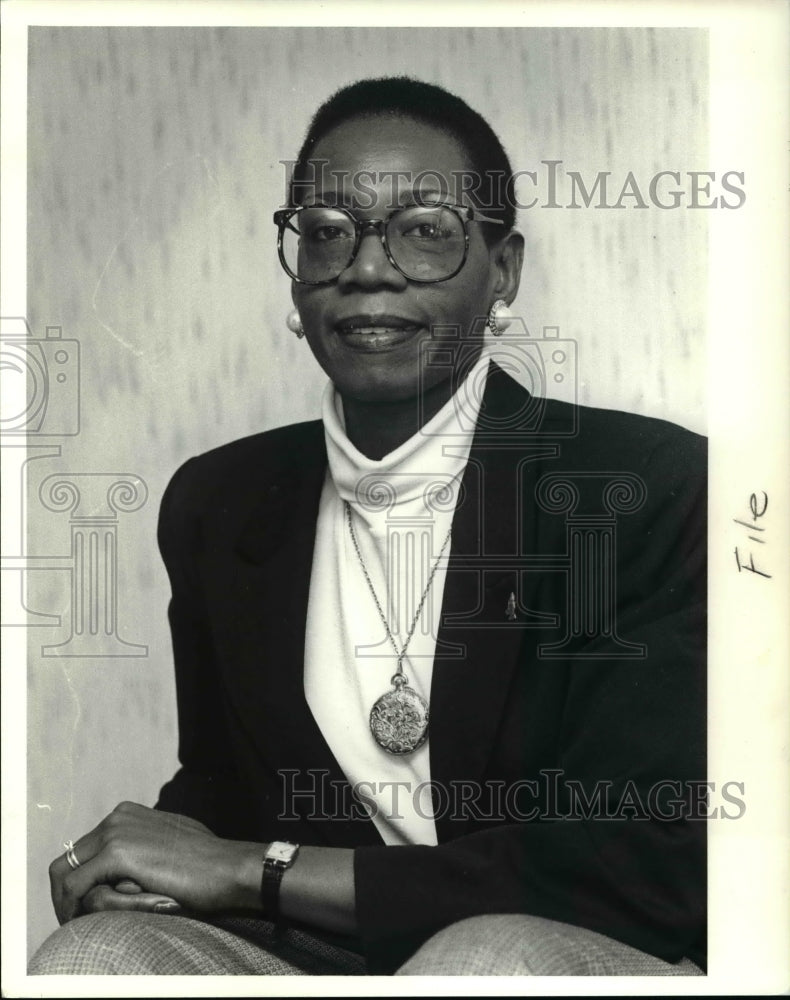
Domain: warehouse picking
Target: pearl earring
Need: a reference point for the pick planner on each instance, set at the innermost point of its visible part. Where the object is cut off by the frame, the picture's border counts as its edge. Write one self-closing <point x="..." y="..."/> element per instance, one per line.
<point x="294" y="323"/>
<point x="499" y="318"/>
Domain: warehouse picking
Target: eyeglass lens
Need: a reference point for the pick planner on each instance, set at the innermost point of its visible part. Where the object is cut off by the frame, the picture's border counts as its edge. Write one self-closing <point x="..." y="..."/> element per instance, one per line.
<point x="426" y="242"/>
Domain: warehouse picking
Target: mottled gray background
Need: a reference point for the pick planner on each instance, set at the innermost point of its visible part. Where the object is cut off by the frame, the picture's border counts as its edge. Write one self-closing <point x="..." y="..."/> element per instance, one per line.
<point x="153" y="173"/>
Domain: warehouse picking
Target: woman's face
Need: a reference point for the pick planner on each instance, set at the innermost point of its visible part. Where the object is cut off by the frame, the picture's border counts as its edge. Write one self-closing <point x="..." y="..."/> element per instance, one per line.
<point x="365" y="330"/>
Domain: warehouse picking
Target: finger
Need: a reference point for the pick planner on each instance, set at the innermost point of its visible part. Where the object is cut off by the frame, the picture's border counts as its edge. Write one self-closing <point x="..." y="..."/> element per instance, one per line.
<point x="127" y="886"/>
<point x="91" y="843"/>
<point x="69" y="884"/>
<point x="86" y="848"/>
<point x="104" y="897"/>
<point x="59" y="877"/>
<point x="59" y="870"/>
<point x="110" y="865"/>
<point x="83" y="850"/>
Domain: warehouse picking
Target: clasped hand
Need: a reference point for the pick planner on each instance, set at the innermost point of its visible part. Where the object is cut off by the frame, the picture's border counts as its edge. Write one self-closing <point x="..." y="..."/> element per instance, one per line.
<point x="139" y="859"/>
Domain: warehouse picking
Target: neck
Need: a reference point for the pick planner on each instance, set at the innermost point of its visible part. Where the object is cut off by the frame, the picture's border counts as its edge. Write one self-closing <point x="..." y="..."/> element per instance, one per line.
<point x="376" y="429"/>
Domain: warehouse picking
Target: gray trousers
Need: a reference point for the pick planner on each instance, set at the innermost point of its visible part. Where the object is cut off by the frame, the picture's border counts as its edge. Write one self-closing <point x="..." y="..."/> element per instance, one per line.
<point x="135" y="944"/>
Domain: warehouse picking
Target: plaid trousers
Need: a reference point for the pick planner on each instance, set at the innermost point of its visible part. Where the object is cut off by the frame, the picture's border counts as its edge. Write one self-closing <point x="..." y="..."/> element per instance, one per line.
<point x="116" y="943"/>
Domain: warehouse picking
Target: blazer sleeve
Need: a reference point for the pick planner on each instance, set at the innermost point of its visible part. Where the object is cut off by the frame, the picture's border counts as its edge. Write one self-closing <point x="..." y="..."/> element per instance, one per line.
<point x="633" y="731"/>
<point x="207" y="786"/>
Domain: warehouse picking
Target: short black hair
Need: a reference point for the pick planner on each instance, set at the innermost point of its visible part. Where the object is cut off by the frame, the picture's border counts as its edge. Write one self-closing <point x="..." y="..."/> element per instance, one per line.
<point x="403" y="96"/>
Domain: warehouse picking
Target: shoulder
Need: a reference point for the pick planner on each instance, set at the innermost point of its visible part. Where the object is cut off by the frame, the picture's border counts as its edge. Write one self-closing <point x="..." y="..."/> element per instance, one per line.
<point x="245" y="466"/>
<point x="604" y="455"/>
<point x="588" y="435"/>
<point x="629" y="438"/>
<point x="281" y="446"/>
<point x="657" y="459"/>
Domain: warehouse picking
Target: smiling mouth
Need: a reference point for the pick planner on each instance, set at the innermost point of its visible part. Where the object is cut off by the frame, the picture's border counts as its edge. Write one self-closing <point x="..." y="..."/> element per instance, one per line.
<point x="376" y="333"/>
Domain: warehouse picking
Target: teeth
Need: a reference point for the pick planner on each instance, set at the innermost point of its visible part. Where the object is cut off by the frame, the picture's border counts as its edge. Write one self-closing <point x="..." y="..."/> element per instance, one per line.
<point x="377" y="329"/>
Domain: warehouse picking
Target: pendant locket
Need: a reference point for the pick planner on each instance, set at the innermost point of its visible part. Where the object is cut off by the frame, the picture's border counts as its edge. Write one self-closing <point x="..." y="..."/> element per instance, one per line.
<point x="399" y="718"/>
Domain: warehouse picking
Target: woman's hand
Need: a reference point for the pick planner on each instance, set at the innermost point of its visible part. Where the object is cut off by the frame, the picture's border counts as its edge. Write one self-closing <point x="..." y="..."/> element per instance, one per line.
<point x="138" y="857"/>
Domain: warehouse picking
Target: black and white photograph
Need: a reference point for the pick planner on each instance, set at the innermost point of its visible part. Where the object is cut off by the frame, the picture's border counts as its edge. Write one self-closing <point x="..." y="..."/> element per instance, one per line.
<point x="394" y="443"/>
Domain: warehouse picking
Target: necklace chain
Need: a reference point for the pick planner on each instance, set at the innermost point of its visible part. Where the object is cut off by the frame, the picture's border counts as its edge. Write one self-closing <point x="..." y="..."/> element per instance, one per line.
<point x="402" y="653"/>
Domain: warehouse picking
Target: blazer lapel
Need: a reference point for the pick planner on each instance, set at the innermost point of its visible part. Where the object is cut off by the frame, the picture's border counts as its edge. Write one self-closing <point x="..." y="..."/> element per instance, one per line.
<point x="277" y="543"/>
<point x="478" y="645"/>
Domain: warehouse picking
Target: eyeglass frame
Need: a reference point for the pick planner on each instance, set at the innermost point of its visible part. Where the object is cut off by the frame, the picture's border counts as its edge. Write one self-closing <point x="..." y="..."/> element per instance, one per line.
<point x="465" y="213"/>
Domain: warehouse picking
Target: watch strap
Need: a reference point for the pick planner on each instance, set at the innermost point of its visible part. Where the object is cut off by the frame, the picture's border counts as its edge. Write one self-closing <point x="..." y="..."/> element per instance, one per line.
<point x="279" y="857"/>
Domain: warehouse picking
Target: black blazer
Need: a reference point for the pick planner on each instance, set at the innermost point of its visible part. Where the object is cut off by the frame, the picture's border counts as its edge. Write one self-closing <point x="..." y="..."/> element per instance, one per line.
<point x="616" y="709"/>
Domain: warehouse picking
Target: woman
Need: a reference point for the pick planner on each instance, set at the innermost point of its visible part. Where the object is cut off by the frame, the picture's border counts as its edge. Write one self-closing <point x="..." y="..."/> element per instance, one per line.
<point x="389" y="719"/>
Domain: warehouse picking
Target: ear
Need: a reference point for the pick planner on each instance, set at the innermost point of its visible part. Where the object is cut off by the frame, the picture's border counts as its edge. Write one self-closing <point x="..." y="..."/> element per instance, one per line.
<point x="507" y="260"/>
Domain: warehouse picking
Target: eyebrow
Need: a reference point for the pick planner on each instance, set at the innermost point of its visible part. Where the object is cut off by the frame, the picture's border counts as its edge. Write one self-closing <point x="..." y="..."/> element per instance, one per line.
<point x="409" y="198"/>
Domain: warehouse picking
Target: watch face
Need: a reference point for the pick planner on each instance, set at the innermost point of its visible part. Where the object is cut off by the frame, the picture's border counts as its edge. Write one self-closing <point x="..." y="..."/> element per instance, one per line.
<point x="281" y="852"/>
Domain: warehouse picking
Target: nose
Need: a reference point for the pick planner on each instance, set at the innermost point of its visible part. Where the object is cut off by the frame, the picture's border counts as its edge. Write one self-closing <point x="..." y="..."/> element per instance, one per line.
<point x="371" y="268"/>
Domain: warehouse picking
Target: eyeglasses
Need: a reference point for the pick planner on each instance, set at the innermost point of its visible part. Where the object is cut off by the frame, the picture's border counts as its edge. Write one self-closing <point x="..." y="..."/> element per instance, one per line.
<point x="426" y="243"/>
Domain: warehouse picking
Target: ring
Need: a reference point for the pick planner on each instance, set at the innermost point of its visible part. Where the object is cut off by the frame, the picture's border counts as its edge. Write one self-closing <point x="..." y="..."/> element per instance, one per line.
<point x="71" y="857"/>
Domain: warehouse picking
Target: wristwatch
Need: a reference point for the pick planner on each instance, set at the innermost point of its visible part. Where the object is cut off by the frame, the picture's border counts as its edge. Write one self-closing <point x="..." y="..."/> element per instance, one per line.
<point x="279" y="857"/>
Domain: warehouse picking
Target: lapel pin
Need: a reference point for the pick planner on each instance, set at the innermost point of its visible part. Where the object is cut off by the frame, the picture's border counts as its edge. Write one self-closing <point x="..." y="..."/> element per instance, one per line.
<point x="510" y="610"/>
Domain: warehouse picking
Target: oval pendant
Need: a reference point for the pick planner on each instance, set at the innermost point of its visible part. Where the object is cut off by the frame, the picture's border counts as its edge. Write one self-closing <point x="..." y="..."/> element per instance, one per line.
<point x="399" y="719"/>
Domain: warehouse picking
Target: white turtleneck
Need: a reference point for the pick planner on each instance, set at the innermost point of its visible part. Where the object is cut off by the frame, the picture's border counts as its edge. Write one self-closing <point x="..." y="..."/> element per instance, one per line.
<point x="402" y="508"/>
